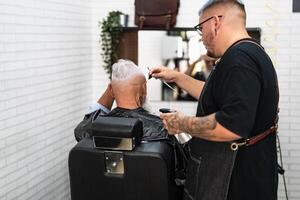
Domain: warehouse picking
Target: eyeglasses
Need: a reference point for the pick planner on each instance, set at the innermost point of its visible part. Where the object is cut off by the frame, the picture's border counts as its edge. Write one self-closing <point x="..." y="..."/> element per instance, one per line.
<point x="199" y="27"/>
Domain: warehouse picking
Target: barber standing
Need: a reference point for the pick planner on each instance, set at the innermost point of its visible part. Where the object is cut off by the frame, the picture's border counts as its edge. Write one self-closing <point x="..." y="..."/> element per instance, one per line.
<point x="233" y="149"/>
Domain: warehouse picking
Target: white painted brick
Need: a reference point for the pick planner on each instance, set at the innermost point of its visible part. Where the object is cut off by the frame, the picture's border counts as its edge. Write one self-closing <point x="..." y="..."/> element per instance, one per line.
<point x="295" y="167"/>
<point x="288" y="104"/>
<point x="284" y="51"/>
<point x="2" y="183"/>
<point x="290" y="119"/>
<point x="295" y="112"/>
<point x="295" y="85"/>
<point x="283" y="126"/>
<point x="7" y="19"/>
<point x="7" y="170"/>
<point x="292" y="187"/>
<point x="6" y="95"/>
<point x="2" y="165"/>
<point x="17" y="156"/>
<point x="295" y="140"/>
<point x="295" y="153"/>
<point x="284" y="139"/>
<point x="283" y="58"/>
<point x="294" y="195"/>
<point x="13" y="177"/>
<point x="295" y="71"/>
<point x="21" y="127"/>
<point x="283" y="100"/>
<point x="8" y="187"/>
<point x="290" y="147"/>
<point x="285" y="153"/>
<point x="295" y="30"/>
<point x="295" y="126"/>
<point x="15" y="193"/>
<point x="7" y="132"/>
<point x="294" y="133"/>
<point x="295" y="99"/>
<point x="294" y="180"/>
<point x="291" y="160"/>
<point x="284" y="113"/>
<point x="8" y="150"/>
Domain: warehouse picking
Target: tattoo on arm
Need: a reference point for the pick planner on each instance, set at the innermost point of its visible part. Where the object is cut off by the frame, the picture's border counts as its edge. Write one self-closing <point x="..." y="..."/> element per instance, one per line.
<point x="198" y="125"/>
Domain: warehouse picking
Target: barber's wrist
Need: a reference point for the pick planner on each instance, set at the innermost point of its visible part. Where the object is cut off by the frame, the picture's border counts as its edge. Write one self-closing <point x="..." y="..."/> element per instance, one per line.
<point x="178" y="76"/>
<point x="185" y="124"/>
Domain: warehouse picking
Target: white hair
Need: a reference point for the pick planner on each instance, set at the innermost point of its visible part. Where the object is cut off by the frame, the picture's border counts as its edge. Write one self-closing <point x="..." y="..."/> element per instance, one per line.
<point x="125" y="69"/>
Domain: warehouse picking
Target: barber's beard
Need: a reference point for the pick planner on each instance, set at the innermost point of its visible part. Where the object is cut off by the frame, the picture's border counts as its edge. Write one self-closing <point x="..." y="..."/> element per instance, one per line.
<point x="210" y="53"/>
<point x="209" y="47"/>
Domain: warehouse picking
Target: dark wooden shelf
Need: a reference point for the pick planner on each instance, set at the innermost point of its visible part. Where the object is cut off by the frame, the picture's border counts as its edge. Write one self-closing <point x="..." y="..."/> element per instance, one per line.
<point x="128" y="47"/>
<point x="135" y="28"/>
<point x="158" y="29"/>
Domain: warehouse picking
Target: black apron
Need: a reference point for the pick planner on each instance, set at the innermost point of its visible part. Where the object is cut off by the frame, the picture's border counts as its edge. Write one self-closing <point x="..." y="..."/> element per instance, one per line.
<point x="209" y="167"/>
<point x="209" y="170"/>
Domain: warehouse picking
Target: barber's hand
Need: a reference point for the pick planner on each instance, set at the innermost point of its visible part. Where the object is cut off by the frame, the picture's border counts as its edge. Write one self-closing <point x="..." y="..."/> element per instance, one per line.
<point x="172" y="122"/>
<point x="164" y="73"/>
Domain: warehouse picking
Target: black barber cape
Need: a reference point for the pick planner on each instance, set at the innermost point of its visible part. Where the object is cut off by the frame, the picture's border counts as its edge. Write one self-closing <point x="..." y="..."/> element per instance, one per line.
<point x="152" y="125"/>
<point x="242" y="90"/>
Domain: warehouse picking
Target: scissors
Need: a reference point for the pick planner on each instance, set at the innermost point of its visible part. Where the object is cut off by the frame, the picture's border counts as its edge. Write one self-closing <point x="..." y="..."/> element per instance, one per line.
<point x="164" y="82"/>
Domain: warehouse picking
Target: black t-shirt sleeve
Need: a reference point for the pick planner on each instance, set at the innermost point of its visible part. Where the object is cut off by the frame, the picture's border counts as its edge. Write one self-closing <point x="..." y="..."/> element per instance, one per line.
<point x="239" y="92"/>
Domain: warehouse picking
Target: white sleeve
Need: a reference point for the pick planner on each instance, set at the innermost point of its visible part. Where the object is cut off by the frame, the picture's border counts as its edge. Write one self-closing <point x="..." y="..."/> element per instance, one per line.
<point x="97" y="106"/>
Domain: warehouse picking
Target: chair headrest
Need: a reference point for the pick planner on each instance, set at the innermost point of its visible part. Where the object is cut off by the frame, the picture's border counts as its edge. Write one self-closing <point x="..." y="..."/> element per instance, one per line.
<point x="117" y="133"/>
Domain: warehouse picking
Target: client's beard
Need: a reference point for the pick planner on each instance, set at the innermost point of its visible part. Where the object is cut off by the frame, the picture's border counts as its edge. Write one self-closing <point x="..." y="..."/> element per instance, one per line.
<point x="144" y="102"/>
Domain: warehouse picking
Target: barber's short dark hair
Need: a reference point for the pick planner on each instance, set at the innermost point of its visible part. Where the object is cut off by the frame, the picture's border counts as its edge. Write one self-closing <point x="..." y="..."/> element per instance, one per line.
<point x="212" y="3"/>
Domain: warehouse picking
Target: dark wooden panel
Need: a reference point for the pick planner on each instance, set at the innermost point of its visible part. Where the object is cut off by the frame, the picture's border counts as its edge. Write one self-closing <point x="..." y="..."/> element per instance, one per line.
<point x="255" y="33"/>
<point x="296" y="5"/>
<point x="128" y="46"/>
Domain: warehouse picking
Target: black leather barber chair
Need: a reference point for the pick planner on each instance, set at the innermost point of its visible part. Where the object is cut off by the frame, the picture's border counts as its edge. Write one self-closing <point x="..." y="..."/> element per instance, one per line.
<point x="116" y="165"/>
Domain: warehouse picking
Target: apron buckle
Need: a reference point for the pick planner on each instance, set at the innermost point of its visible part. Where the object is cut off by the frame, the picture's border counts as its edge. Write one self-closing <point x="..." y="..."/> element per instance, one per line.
<point x="235" y="145"/>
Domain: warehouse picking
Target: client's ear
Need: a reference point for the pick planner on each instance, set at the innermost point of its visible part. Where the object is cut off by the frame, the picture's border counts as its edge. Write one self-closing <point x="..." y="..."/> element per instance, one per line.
<point x="145" y="89"/>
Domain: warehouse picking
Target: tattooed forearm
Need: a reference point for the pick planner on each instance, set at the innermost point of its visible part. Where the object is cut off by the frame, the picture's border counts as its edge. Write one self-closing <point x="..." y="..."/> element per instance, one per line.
<point x="198" y="125"/>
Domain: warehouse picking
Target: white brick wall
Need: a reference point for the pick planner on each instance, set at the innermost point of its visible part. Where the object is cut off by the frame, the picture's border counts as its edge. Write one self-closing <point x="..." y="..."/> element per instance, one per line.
<point x="50" y="70"/>
<point x="45" y="86"/>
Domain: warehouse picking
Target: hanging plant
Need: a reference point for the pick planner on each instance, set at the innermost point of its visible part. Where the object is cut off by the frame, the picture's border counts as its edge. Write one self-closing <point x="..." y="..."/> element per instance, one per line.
<point x="109" y="39"/>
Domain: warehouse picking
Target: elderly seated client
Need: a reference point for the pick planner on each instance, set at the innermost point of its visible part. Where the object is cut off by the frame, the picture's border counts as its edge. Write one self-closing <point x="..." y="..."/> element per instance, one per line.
<point x="128" y="87"/>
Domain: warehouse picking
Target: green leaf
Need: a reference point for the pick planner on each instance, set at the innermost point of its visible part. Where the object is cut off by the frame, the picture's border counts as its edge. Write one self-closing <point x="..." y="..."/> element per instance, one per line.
<point x="109" y="39"/>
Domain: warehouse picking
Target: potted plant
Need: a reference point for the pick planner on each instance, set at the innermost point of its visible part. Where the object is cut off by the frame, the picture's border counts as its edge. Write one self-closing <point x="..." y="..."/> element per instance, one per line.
<point x="109" y="39"/>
